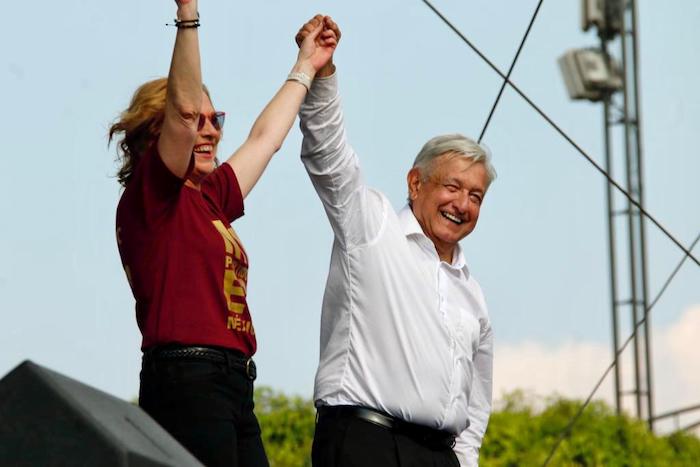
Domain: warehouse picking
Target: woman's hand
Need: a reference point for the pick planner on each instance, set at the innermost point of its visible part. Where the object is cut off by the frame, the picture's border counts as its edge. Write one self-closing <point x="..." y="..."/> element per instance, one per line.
<point x="186" y="9"/>
<point x="317" y="40"/>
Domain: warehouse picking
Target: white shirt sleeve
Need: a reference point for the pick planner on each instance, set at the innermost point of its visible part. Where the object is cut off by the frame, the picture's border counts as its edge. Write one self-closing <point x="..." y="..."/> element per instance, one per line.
<point x="469" y="441"/>
<point x="355" y="212"/>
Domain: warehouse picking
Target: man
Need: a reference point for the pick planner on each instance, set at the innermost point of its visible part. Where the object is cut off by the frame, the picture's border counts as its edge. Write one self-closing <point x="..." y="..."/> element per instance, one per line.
<point x="405" y="367"/>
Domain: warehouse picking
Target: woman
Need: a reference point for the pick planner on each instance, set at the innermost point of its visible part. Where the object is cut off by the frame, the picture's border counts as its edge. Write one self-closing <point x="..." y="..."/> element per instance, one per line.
<point x="185" y="264"/>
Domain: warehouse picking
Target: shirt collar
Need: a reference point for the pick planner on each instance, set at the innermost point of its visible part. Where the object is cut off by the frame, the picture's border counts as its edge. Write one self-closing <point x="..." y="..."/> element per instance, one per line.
<point x="411" y="227"/>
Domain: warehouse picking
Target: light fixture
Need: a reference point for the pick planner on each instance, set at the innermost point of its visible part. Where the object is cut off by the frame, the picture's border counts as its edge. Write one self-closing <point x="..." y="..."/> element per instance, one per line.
<point x="588" y="74"/>
<point x="605" y="15"/>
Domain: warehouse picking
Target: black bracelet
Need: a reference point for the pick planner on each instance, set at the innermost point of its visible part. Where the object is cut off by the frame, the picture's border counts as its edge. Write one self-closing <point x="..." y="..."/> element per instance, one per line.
<point x="189" y="23"/>
<point x="185" y="23"/>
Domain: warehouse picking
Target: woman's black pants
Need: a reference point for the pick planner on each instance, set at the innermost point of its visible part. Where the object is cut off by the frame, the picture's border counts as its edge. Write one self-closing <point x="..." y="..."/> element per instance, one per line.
<point x="206" y="406"/>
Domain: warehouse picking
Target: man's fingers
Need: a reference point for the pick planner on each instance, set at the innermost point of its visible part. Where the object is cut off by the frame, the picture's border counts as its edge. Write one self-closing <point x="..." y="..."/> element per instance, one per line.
<point x="330" y="42"/>
<point x="330" y="24"/>
<point x="316" y="19"/>
<point x="328" y="34"/>
<point x="323" y="28"/>
<point x="313" y="23"/>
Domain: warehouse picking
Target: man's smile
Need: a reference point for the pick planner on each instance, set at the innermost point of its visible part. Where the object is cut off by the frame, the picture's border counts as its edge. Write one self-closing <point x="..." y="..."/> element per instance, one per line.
<point x="451" y="217"/>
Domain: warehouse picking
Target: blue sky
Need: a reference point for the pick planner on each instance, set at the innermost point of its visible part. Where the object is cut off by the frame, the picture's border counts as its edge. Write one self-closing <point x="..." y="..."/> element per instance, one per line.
<point x="540" y="248"/>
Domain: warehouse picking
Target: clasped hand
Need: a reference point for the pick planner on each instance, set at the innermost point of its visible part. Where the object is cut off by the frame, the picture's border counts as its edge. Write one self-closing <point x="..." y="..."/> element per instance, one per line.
<point x="317" y="40"/>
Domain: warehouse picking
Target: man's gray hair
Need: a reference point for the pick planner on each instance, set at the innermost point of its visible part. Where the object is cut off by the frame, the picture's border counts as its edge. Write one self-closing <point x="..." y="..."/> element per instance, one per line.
<point x="456" y="144"/>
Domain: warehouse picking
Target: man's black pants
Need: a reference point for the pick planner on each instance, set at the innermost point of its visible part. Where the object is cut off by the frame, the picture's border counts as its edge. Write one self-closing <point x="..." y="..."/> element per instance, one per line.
<point x="352" y="442"/>
<point x="206" y="406"/>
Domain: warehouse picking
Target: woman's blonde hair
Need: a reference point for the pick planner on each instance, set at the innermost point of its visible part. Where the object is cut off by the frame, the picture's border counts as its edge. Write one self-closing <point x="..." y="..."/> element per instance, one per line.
<point x="139" y="125"/>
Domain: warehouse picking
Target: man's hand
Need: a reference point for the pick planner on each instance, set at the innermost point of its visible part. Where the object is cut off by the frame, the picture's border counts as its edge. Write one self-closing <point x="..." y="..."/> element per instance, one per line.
<point x="328" y="25"/>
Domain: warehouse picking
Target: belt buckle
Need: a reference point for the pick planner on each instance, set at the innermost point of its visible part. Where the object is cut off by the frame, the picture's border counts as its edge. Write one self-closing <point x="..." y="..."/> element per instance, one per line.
<point x="250" y="369"/>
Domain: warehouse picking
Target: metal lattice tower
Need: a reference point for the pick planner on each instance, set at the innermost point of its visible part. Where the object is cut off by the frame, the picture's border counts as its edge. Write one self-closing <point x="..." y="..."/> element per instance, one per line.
<point x="626" y="229"/>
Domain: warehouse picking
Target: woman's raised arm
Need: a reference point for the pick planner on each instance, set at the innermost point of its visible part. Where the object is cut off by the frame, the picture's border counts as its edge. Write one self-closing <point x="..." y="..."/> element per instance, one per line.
<point x="273" y="123"/>
<point x="184" y="95"/>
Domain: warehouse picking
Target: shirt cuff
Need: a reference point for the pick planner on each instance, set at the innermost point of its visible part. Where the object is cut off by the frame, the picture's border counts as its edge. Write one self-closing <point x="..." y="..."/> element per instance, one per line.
<point x="324" y="88"/>
<point x="469" y="458"/>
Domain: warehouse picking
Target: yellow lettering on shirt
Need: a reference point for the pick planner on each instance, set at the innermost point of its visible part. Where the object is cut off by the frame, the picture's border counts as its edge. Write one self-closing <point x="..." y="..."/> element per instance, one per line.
<point x="235" y="323"/>
<point x="235" y="272"/>
<point x="233" y="244"/>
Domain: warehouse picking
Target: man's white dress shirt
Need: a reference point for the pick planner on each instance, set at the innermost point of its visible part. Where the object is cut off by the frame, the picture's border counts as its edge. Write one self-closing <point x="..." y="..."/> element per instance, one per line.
<point x="401" y="331"/>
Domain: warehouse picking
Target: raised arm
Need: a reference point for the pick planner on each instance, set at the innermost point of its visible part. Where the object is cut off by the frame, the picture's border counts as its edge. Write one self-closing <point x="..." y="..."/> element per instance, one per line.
<point x="184" y="95"/>
<point x="354" y="211"/>
<point x="273" y="124"/>
<point x="329" y="68"/>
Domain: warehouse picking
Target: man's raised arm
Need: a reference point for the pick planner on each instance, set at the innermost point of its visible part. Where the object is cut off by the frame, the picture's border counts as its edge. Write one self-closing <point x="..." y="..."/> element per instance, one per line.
<point x="332" y="163"/>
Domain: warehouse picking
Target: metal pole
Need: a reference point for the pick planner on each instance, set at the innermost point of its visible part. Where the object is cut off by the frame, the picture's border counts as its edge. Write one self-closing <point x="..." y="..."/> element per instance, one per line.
<point x="640" y="219"/>
<point x="630" y="216"/>
<point x="611" y="235"/>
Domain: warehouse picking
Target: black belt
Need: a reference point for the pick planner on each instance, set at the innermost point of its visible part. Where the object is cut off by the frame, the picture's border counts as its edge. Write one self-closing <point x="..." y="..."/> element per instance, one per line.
<point x="430" y="437"/>
<point x="232" y="358"/>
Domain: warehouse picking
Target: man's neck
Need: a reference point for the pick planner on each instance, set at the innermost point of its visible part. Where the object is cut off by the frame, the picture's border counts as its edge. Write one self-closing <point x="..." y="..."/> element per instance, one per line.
<point x="445" y="254"/>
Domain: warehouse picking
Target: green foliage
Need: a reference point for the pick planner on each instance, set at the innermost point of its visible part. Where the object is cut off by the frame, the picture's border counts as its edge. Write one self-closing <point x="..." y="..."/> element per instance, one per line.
<point x="287" y="427"/>
<point x="685" y="447"/>
<point x="520" y="436"/>
<point x="522" y="432"/>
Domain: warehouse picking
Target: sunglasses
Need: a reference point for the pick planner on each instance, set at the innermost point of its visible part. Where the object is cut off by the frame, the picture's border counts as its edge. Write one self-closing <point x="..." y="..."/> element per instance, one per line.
<point x="217" y="120"/>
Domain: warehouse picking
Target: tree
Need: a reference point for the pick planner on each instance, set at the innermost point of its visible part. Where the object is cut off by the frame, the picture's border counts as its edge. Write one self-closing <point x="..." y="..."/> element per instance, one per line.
<point x="287" y="427"/>
<point x="520" y="436"/>
<point x="521" y="432"/>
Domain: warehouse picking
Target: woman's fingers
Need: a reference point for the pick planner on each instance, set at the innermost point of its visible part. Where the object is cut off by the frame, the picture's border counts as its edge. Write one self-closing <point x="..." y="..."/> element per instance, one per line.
<point x="322" y="28"/>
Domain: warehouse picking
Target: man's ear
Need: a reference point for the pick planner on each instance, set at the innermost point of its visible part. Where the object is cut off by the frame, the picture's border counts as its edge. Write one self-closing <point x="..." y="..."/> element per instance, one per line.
<point x="414" y="183"/>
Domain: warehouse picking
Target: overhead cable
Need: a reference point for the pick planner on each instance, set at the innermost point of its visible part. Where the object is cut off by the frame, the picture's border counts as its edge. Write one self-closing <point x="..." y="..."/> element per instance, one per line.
<point x="565" y="136"/>
<point x="510" y="70"/>
<point x="575" y="418"/>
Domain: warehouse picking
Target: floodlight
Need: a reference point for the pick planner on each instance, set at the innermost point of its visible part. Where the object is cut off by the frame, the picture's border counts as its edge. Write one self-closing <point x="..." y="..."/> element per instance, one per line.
<point x="589" y="74"/>
<point x="606" y="15"/>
